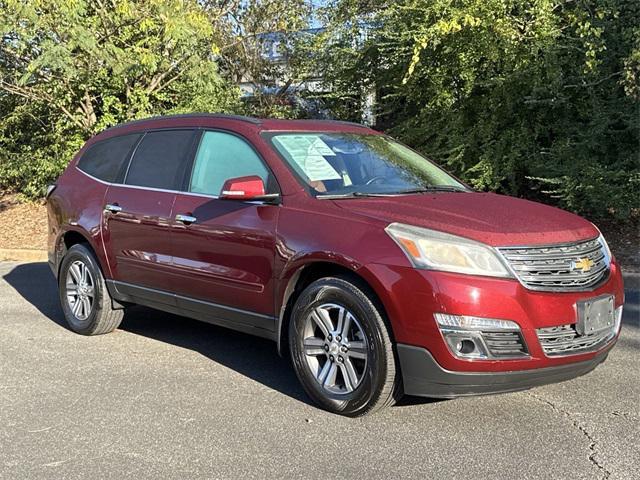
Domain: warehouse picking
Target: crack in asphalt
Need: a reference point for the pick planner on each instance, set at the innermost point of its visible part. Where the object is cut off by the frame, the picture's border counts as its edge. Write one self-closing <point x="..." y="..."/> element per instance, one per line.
<point x="626" y="415"/>
<point x="592" y="442"/>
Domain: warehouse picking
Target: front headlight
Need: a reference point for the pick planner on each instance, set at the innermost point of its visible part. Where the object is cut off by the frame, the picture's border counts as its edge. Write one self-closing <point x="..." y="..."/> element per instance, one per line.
<point x="441" y="251"/>
<point x="605" y="246"/>
<point x="603" y="242"/>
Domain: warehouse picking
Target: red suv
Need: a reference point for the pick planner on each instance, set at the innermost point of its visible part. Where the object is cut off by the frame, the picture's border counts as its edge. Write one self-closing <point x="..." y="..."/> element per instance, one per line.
<point x="375" y="270"/>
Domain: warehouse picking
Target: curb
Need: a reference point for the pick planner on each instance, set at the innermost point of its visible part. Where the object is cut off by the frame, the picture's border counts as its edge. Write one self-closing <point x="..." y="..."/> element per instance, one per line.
<point x="23" y="255"/>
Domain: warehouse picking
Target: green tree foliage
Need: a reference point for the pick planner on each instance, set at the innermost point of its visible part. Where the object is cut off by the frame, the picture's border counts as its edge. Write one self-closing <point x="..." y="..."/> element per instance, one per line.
<point x="249" y="31"/>
<point x="71" y="68"/>
<point x="536" y="98"/>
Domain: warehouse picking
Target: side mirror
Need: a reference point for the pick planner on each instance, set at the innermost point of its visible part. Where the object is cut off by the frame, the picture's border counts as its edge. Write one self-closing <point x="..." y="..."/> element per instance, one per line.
<point x="246" y="189"/>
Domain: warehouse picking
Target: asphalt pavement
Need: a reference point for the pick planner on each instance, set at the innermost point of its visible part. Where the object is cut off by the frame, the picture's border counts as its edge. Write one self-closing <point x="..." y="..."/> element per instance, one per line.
<point x="167" y="397"/>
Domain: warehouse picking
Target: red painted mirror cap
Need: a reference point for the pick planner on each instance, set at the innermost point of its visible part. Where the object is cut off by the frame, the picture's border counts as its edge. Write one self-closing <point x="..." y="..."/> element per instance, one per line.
<point x="243" y="188"/>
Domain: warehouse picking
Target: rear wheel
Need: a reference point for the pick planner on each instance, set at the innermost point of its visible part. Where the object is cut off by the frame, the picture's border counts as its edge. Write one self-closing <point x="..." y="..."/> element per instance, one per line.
<point x="83" y="294"/>
<point x="341" y="348"/>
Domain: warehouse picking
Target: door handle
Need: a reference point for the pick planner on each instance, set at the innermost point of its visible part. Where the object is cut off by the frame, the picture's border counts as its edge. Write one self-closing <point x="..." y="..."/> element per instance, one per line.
<point x="112" y="207"/>
<point x="186" y="219"/>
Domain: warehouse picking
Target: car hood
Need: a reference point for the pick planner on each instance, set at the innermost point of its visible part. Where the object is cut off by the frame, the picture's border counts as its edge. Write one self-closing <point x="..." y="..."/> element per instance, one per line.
<point x="496" y="220"/>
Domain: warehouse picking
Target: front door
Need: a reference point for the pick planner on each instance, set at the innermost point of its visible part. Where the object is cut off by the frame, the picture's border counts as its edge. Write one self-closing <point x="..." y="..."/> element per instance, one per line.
<point x="224" y="249"/>
<point x="137" y="215"/>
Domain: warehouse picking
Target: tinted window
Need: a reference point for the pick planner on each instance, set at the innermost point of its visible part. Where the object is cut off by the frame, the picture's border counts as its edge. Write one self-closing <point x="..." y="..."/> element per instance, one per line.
<point x="222" y="156"/>
<point x="105" y="159"/>
<point x="160" y="159"/>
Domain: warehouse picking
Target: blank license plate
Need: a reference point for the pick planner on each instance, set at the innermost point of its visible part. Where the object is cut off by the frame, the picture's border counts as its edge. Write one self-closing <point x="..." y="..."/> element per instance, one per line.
<point x="595" y="314"/>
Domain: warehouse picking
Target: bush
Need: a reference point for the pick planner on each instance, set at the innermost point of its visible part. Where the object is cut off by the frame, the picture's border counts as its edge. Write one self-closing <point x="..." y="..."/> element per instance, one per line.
<point x="534" y="99"/>
<point x="70" y="69"/>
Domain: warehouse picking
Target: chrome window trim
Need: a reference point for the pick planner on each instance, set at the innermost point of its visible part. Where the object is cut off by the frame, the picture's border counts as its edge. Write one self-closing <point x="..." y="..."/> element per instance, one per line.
<point x="111" y="184"/>
<point x="200" y="128"/>
<point x="181" y="192"/>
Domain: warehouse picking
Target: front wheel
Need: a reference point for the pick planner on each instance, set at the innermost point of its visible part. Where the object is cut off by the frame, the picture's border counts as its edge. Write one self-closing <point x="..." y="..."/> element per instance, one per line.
<point x="83" y="294"/>
<point x="341" y="348"/>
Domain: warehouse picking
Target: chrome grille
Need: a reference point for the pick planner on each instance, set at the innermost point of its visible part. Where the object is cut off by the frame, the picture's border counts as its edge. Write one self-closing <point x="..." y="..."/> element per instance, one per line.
<point x="565" y="340"/>
<point x="554" y="268"/>
<point x="505" y="344"/>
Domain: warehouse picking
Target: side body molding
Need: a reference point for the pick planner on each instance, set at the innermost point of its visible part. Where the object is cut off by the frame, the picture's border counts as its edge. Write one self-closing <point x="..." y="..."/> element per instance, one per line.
<point x="216" y="314"/>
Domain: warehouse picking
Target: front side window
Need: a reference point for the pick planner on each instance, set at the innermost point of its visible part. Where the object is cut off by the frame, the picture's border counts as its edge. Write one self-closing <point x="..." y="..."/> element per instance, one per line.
<point x="222" y="156"/>
<point x="105" y="159"/>
<point x="352" y="164"/>
<point x="160" y="159"/>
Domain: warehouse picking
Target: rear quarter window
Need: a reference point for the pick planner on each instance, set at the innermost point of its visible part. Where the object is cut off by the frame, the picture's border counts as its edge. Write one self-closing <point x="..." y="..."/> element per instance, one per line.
<point x="105" y="159"/>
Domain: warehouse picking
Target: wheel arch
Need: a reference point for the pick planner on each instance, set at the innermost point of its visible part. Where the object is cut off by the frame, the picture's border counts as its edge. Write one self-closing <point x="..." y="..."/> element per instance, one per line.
<point x="68" y="239"/>
<point x="300" y="276"/>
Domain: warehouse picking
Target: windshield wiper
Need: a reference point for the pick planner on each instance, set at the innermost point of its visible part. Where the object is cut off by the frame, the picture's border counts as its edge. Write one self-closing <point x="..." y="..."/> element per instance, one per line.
<point x="431" y="188"/>
<point x="332" y="196"/>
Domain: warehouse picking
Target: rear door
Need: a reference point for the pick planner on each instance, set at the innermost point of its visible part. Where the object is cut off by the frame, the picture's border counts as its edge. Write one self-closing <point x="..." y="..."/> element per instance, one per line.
<point x="138" y="214"/>
<point x="226" y="255"/>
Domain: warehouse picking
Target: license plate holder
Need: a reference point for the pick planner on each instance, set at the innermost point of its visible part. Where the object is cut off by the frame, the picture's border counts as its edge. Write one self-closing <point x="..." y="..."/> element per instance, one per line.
<point x="595" y="314"/>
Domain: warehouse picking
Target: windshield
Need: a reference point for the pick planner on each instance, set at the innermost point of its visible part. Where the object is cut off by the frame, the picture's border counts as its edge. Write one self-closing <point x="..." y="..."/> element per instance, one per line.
<point x="348" y="164"/>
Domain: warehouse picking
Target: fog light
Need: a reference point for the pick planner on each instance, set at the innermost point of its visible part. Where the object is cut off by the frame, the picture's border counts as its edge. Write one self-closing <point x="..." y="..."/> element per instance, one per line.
<point x="465" y="346"/>
<point x="465" y="337"/>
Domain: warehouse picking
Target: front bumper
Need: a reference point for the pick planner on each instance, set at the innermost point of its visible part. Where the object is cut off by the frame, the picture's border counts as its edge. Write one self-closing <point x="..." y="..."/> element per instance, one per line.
<point x="423" y="376"/>
<point x="412" y="296"/>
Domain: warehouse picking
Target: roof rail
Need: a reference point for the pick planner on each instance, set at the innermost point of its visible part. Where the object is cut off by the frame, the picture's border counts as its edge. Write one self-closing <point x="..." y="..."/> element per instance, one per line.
<point x="339" y="122"/>
<point x="241" y="118"/>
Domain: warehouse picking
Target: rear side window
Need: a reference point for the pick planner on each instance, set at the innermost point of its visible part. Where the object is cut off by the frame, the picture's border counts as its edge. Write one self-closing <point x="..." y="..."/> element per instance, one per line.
<point x="159" y="160"/>
<point x="222" y="156"/>
<point x="105" y="159"/>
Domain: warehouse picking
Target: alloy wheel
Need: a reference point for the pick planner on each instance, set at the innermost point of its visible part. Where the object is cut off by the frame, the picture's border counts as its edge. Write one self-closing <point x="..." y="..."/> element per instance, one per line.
<point x="80" y="289"/>
<point x="335" y="348"/>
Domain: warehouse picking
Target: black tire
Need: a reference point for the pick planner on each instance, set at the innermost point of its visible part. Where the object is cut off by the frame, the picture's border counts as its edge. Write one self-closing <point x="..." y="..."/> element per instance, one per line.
<point x="380" y="383"/>
<point x="102" y="317"/>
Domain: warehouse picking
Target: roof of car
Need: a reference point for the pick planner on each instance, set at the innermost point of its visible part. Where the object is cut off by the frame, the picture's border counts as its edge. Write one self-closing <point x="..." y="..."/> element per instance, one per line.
<point x="195" y="119"/>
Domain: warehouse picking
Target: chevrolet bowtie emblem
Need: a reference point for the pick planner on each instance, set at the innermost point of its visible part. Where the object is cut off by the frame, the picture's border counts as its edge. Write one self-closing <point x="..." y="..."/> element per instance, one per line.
<point x="583" y="264"/>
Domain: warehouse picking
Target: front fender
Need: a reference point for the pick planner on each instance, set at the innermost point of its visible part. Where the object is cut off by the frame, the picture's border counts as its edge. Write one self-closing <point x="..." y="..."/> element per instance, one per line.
<point x="379" y="284"/>
<point x="290" y="274"/>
